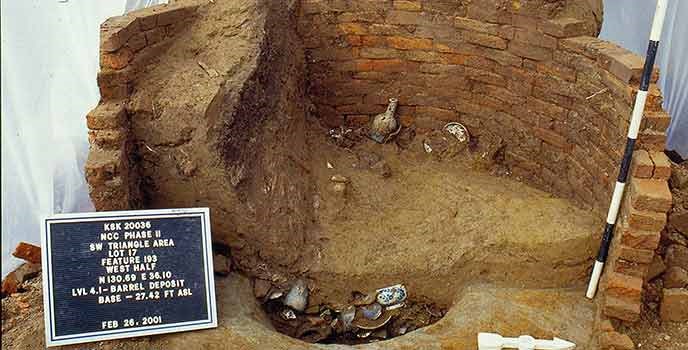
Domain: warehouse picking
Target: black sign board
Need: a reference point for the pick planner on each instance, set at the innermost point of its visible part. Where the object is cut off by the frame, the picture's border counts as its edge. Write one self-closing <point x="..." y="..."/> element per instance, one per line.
<point x="110" y="275"/>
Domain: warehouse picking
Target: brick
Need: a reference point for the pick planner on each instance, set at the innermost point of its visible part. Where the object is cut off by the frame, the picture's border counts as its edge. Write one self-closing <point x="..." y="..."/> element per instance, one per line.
<point x="646" y="220"/>
<point x="640" y="239"/>
<point x="628" y="268"/>
<point x="467" y="24"/>
<point x="102" y="165"/>
<point x="174" y="13"/>
<point x="10" y="284"/>
<point x="642" y="256"/>
<point x="155" y="35"/>
<point x="407" y="5"/>
<point x="137" y="42"/>
<point x="378" y="52"/>
<point x="107" y="138"/>
<point x="674" y="306"/>
<point x="116" y="60"/>
<point x="486" y="40"/>
<point x="615" y="341"/>
<point x="627" y="66"/>
<point x="353" y="28"/>
<point x="584" y="45"/>
<point x="621" y="309"/>
<point x="373" y="40"/>
<point x="656" y="268"/>
<point x="555" y="69"/>
<point x="642" y="165"/>
<point x="563" y="27"/>
<point x="529" y="51"/>
<point x="424" y="56"/>
<point x="107" y="115"/>
<point x="656" y="120"/>
<point x="552" y="138"/>
<point x="28" y="252"/>
<point x="545" y="108"/>
<point x="404" y="43"/>
<point x="532" y="37"/>
<point x="623" y="286"/>
<point x="115" y="32"/>
<point x="652" y="195"/>
<point x="436" y="113"/>
<point x="662" y="165"/>
<point x="370" y="17"/>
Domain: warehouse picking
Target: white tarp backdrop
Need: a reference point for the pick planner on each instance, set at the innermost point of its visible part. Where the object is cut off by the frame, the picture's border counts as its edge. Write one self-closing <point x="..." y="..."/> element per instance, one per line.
<point x="628" y="23"/>
<point x="49" y="66"/>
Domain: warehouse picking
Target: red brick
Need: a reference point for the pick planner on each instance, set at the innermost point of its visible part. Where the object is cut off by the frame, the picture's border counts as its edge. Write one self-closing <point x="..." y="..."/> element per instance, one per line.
<point x="563" y="27"/>
<point x="651" y="195"/>
<point x="662" y="165"/>
<point x="174" y="13"/>
<point x="404" y="43"/>
<point x="10" y="284"/>
<point x="626" y="66"/>
<point x="116" y="60"/>
<point x="623" y="286"/>
<point x="107" y="138"/>
<point x="28" y="252"/>
<point x="656" y="120"/>
<point x="155" y="35"/>
<point x="373" y="40"/>
<point x="353" y="28"/>
<point x="640" y="239"/>
<point x="532" y="37"/>
<point x="436" y="113"/>
<point x="106" y="115"/>
<point x="484" y="40"/>
<point x="652" y="140"/>
<point x="615" y="341"/>
<point x="643" y="256"/>
<point x="622" y="309"/>
<point x="529" y="51"/>
<point x="642" y="165"/>
<point x="646" y="220"/>
<point x="405" y="5"/>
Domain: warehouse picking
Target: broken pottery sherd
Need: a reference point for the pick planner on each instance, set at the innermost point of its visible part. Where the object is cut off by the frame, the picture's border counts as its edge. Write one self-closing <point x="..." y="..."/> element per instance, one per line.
<point x="391" y="295"/>
<point x="372" y="311"/>
<point x="366" y="324"/>
<point x="297" y="298"/>
<point x="288" y="314"/>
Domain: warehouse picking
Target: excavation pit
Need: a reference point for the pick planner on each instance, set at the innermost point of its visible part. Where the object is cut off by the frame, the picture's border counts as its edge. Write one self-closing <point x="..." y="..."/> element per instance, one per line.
<point x="234" y="108"/>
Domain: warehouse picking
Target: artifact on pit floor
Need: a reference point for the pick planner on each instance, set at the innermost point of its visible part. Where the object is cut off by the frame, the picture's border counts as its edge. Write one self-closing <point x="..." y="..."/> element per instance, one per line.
<point x="427" y="147"/>
<point x="346" y="317"/>
<point x="367" y="324"/>
<point x="275" y="295"/>
<point x="391" y="295"/>
<point x="395" y="306"/>
<point x="261" y="288"/>
<point x="297" y="298"/>
<point x="459" y="131"/>
<point x="372" y="311"/>
<point x="313" y="333"/>
<point x="330" y="166"/>
<point x="288" y="314"/>
<point x="339" y="178"/>
<point x="493" y="341"/>
<point x="384" y="126"/>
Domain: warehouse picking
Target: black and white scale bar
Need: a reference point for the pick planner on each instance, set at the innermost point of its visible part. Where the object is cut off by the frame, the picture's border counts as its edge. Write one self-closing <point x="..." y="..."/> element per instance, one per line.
<point x="633" y="129"/>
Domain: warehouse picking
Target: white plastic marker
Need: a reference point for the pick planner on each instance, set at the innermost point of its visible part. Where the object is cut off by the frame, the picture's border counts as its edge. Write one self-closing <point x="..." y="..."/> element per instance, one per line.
<point x="493" y="341"/>
<point x="636" y="117"/>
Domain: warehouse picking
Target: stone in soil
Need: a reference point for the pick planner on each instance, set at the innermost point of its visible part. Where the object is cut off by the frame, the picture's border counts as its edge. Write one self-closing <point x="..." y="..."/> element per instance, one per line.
<point x="677" y="255"/>
<point x="674" y="305"/>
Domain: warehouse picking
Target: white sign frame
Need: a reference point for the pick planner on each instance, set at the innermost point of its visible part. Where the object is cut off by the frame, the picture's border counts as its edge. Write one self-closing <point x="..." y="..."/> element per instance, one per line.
<point x="130" y="332"/>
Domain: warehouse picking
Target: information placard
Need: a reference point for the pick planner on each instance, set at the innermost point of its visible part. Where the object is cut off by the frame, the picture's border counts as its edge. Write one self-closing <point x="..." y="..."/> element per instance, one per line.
<point x="110" y="275"/>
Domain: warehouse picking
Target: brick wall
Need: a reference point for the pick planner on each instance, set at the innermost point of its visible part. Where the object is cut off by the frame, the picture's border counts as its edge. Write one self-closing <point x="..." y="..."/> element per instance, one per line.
<point x="127" y="45"/>
<point x="520" y="71"/>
